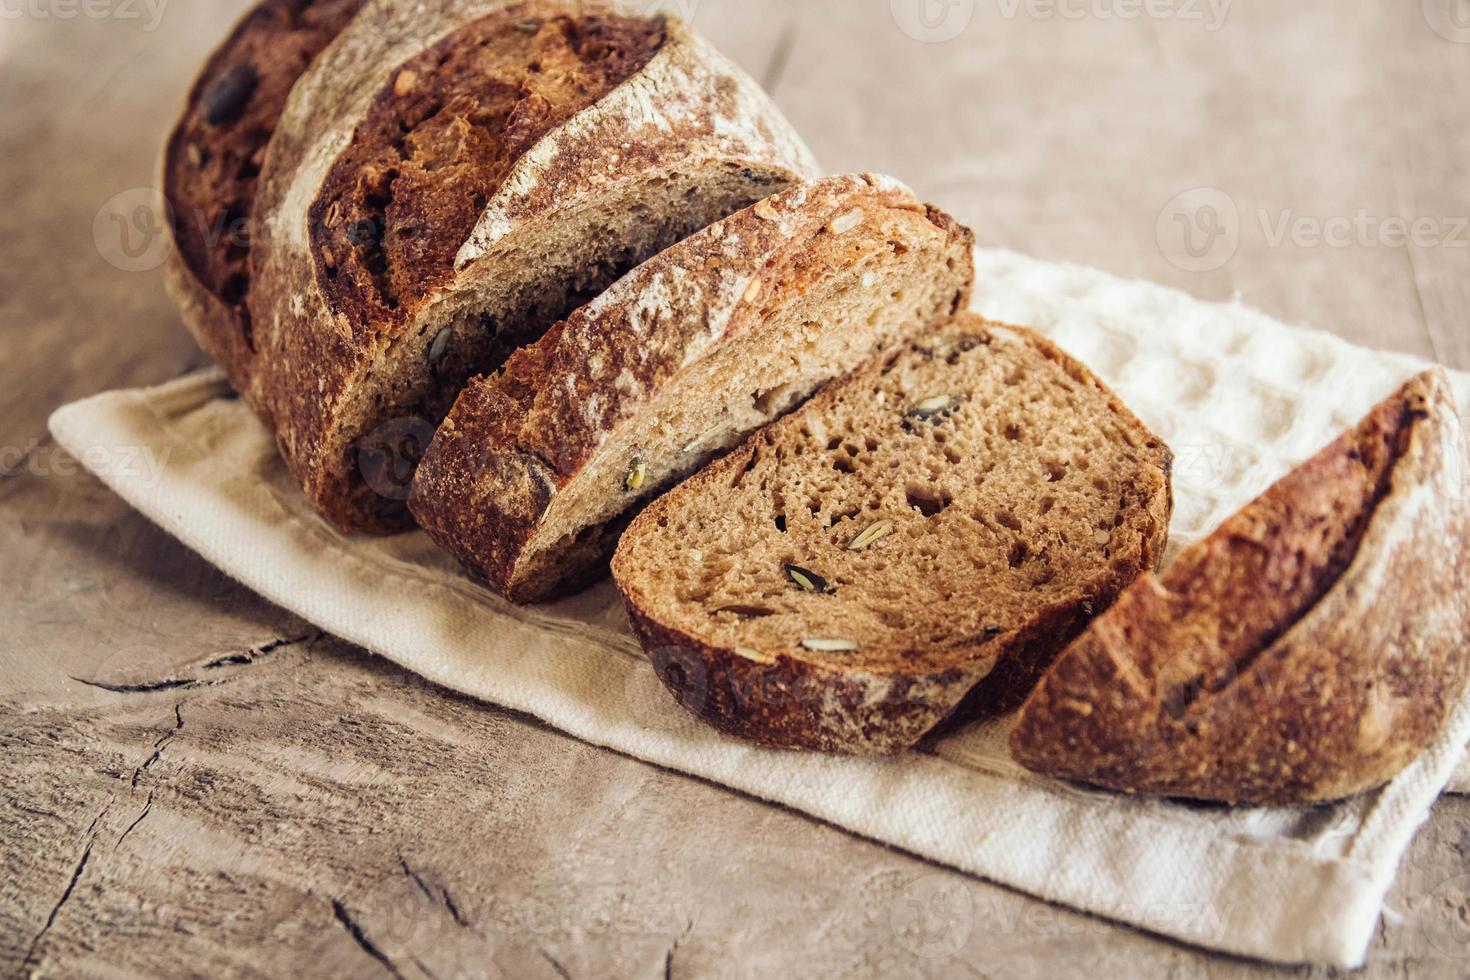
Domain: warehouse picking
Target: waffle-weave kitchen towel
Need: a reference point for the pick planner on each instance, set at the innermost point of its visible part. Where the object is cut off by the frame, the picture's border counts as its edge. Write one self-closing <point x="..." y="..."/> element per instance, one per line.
<point x="1240" y="398"/>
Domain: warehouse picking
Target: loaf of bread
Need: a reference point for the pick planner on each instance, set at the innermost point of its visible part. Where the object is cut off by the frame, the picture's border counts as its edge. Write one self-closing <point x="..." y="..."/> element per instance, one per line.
<point x="846" y="578"/>
<point x="535" y="471"/>
<point x="1306" y="651"/>
<point x="444" y="182"/>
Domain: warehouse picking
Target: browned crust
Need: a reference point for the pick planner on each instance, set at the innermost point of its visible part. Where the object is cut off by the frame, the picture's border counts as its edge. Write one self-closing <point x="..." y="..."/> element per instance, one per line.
<point x="482" y="488"/>
<point x="1336" y="688"/>
<point x="313" y="357"/>
<point x="441" y="137"/>
<point x="799" y="704"/>
<point x="208" y="169"/>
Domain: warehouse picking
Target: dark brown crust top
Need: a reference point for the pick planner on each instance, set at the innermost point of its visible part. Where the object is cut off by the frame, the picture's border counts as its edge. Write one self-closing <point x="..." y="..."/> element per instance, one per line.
<point x="312" y="360"/>
<point x="802" y="704"/>
<point x="214" y="156"/>
<point x="1307" y="650"/>
<point x="514" y="439"/>
<point x="441" y="137"/>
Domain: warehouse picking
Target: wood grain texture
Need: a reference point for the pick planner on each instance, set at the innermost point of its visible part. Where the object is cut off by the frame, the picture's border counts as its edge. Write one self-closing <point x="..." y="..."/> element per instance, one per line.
<point x="252" y="799"/>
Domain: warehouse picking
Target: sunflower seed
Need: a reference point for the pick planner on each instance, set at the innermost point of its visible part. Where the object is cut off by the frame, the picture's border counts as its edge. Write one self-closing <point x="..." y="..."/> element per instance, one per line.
<point x="748" y="653"/>
<point x="880" y="530"/>
<point x="766" y="210"/>
<point x="938" y="405"/>
<point x="440" y="346"/>
<point x="807" y="581"/>
<point x="406" y="82"/>
<point x="844" y="223"/>
<point x="830" y="646"/>
<point x="1101" y="537"/>
<point x="818" y="430"/>
<point x="637" y="474"/>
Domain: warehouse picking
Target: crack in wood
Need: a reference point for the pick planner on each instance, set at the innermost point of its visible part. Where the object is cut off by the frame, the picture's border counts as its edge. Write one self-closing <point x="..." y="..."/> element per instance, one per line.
<point x="145" y="688"/>
<point x="257" y="653"/>
<point x="561" y="971"/>
<point x="147" y="808"/>
<point x="361" y="938"/>
<point x="442" y="898"/>
<point x="679" y="941"/>
<point x="71" y="886"/>
<point x="179" y="683"/>
<point x="159" y="745"/>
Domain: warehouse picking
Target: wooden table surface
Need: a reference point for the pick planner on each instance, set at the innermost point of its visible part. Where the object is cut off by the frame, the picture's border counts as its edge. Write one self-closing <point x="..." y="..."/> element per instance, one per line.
<point x="197" y="783"/>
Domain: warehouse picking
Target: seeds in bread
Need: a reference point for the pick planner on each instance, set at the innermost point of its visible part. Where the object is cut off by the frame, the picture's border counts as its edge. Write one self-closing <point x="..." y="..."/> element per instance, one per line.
<point x="532" y="475"/>
<point x="1306" y="651"/>
<point x="997" y="505"/>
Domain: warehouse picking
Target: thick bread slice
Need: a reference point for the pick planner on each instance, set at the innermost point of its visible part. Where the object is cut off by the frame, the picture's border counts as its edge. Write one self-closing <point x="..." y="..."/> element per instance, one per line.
<point x="212" y="160"/>
<point x="447" y="181"/>
<point x="529" y="479"/>
<point x="1307" y="650"/>
<point x="843" y="580"/>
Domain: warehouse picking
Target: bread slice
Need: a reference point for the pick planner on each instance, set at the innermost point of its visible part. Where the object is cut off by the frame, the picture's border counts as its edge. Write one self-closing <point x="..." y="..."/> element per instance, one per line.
<point x="211" y="163"/>
<point x="1306" y="651"/>
<point x="845" y="578"/>
<point x="445" y="182"/>
<point x="529" y="479"/>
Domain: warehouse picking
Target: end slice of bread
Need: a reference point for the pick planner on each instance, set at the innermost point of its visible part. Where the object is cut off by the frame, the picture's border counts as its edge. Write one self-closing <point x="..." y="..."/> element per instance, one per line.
<point x="530" y="478"/>
<point x="845" y="579"/>
<point x="1306" y="651"/>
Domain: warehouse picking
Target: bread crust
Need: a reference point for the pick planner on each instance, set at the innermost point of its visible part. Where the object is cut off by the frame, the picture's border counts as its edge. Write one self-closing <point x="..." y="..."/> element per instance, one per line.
<point x="1338" y="703"/>
<point x="515" y="440"/>
<point x="686" y="108"/>
<point x="218" y="322"/>
<point x="789" y="702"/>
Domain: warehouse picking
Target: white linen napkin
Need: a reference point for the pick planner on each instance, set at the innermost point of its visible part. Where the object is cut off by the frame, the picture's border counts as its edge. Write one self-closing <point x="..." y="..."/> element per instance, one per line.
<point x="1238" y="396"/>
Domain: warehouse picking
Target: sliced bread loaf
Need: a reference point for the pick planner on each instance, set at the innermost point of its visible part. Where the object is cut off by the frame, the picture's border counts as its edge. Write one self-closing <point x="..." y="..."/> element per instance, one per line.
<point x="529" y="479"/>
<point x="844" y="579"/>
<point x="1307" y="650"/>
<point x="445" y="181"/>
